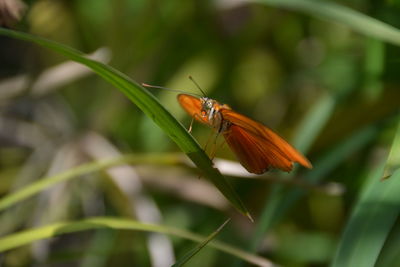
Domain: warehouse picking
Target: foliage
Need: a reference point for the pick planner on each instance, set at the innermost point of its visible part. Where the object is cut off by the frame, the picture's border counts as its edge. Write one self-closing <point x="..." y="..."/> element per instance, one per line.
<point x="321" y="74"/>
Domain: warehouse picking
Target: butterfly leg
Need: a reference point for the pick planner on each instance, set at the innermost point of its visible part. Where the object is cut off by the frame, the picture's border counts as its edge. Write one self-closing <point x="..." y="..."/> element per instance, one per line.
<point x="208" y="141"/>
<point x="212" y="153"/>
<point x="214" y="147"/>
<point x="224" y="127"/>
<point x="191" y="125"/>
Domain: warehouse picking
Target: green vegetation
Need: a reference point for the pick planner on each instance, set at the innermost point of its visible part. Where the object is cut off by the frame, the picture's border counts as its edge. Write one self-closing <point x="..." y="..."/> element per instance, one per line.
<point x="117" y="180"/>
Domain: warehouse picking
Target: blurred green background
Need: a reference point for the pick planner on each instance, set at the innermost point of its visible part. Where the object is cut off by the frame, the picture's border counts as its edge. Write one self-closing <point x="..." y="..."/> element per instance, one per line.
<point x="329" y="90"/>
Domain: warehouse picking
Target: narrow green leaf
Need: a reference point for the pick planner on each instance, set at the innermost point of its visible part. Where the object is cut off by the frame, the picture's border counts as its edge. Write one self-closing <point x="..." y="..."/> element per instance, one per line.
<point x="393" y="161"/>
<point x="370" y="223"/>
<point x="46" y="182"/>
<point x="151" y="107"/>
<point x="201" y="245"/>
<point x="372" y="218"/>
<point x="313" y="122"/>
<point x="390" y="254"/>
<point x="282" y="200"/>
<point x="333" y="12"/>
<point x="99" y="248"/>
<point x="26" y="237"/>
<point x="374" y="68"/>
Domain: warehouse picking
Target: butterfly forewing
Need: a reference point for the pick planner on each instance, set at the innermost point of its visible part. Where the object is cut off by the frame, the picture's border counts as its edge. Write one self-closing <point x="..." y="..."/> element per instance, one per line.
<point x="192" y="105"/>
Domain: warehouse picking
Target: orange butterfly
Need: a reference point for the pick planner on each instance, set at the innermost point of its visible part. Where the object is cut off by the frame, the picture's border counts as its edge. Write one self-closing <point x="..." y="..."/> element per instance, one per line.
<point x="257" y="147"/>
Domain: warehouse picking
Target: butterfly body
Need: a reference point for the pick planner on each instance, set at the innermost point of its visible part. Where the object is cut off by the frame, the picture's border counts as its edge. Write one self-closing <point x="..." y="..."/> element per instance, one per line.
<point x="257" y="147"/>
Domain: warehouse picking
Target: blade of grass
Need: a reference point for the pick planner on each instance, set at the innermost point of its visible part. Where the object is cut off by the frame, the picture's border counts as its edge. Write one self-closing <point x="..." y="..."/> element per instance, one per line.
<point x="150" y="106"/>
<point x="375" y="52"/>
<point x="372" y="218"/>
<point x="26" y="237"/>
<point x="334" y="12"/>
<point x="44" y="183"/>
<point x="100" y="248"/>
<point x="83" y="169"/>
<point x="370" y="223"/>
<point x="284" y="199"/>
<point x="201" y="245"/>
<point x="313" y="122"/>
<point x="393" y="160"/>
<point x="311" y="125"/>
<point x="390" y="254"/>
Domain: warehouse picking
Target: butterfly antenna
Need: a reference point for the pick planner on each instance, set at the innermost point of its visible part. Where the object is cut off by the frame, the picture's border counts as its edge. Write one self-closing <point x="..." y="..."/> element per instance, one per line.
<point x="164" y="88"/>
<point x="197" y="85"/>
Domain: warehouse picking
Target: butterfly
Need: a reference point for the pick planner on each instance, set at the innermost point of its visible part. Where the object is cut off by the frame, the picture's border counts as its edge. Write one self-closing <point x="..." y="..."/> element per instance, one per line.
<point x="256" y="146"/>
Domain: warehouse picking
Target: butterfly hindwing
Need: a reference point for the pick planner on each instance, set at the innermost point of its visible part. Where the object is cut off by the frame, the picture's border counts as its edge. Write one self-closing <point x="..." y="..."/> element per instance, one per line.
<point x="267" y="144"/>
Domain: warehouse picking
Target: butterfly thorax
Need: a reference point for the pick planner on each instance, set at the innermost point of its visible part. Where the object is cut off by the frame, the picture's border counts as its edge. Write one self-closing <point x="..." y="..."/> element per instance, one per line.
<point x="210" y="110"/>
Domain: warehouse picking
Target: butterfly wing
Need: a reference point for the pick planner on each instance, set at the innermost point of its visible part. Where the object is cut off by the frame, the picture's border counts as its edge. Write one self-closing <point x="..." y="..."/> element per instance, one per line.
<point x="192" y="105"/>
<point x="257" y="147"/>
<point x="252" y="152"/>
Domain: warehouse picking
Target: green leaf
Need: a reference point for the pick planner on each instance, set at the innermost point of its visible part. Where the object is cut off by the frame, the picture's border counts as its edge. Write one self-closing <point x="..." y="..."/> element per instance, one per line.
<point x="372" y="218"/>
<point x="390" y="254"/>
<point x="26" y="237"/>
<point x="281" y="200"/>
<point x="393" y="161"/>
<point x="83" y="169"/>
<point x="311" y="125"/>
<point x="201" y="245"/>
<point x="100" y="248"/>
<point x="151" y="107"/>
<point x="314" y="121"/>
<point x="44" y="183"/>
<point x="333" y="12"/>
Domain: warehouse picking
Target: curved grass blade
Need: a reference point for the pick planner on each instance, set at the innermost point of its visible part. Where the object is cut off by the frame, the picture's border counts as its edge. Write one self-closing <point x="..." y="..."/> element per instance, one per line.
<point x="311" y="125"/>
<point x="372" y="218"/>
<point x="333" y="12"/>
<point x="390" y="254"/>
<point x="44" y="183"/>
<point x="196" y="249"/>
<point x="370" y="223"/>
<point x="150" y="106"/>
<point x="100" y="248"/>
<point x="26" y="237"/>
<point x="283" y="200"/>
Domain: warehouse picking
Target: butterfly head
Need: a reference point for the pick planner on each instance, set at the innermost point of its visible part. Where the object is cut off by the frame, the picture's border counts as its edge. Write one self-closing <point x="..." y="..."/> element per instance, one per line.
<point x="208" y="108"/>
<point x="210" y="111"/>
